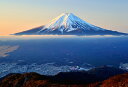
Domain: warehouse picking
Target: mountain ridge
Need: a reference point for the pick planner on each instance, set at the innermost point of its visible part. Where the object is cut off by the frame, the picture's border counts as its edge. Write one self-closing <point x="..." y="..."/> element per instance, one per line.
<point x="63" y="79"/>
<point x="69" y="24"/>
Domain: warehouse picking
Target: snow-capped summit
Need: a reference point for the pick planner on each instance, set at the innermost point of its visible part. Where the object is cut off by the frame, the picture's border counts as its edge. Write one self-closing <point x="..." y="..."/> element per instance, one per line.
<point x="69" y="24"/>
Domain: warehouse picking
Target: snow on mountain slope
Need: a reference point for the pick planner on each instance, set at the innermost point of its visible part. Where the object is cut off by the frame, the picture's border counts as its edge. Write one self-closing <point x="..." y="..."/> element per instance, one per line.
<point x="69" y="24"/>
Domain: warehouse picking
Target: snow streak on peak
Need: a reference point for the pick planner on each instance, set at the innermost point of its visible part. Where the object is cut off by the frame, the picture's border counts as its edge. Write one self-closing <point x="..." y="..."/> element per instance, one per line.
<point x="66" y="21"/>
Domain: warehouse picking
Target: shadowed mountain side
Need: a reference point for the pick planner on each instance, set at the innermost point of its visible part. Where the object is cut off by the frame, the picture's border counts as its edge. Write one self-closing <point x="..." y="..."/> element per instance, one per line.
<point x="64" y="79"/>
<point x="30" y="32"/>
<point x="75" y="32"/>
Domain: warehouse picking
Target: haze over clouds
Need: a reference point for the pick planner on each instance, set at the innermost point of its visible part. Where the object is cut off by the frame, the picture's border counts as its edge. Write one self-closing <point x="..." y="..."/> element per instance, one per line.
<point x="20" y="15"/>
<point x="4" y="50"/>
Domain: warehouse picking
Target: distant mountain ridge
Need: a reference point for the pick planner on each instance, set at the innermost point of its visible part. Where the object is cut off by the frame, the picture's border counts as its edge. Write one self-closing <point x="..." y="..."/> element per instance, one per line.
<point x="69" y="24"/>
<point x="63" y="79"/>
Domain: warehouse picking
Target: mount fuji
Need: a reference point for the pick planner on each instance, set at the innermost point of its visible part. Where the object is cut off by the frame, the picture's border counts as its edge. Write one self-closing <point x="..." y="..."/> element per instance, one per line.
<point x="69" y="24"/>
